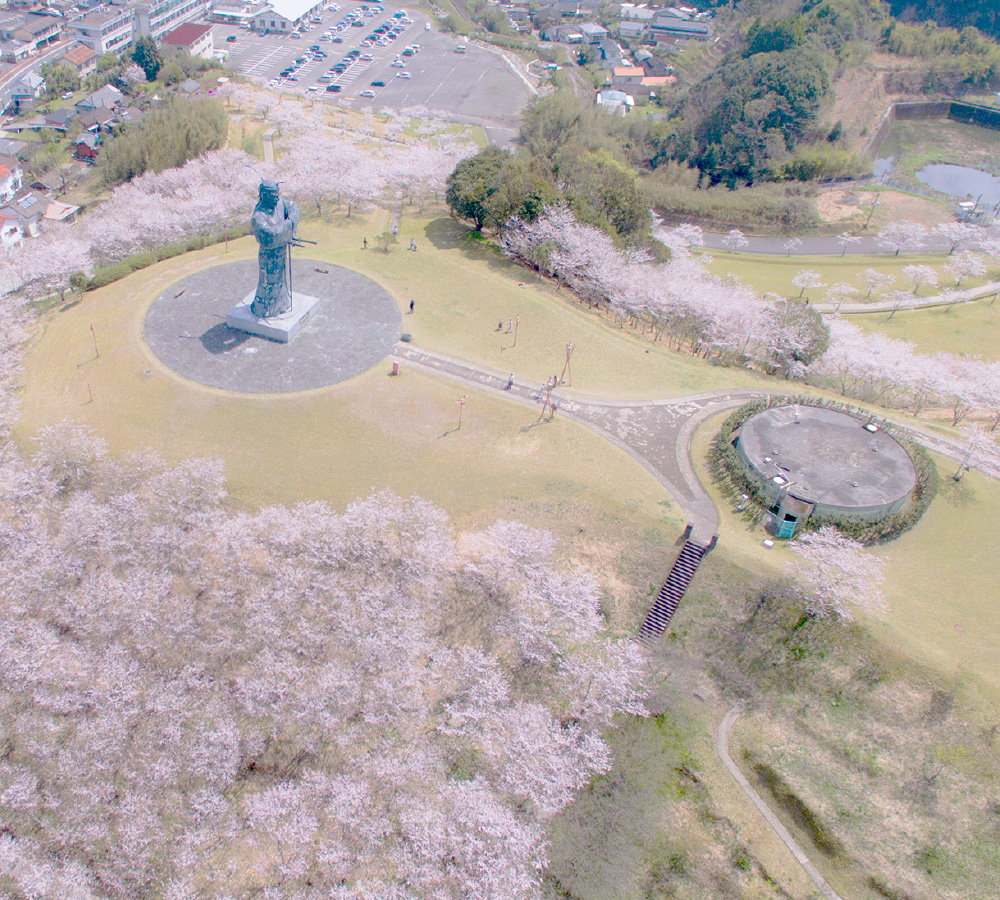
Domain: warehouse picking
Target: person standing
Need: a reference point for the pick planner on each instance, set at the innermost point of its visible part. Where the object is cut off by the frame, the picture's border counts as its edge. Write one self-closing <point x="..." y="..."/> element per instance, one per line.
<point x="411" y="307"/>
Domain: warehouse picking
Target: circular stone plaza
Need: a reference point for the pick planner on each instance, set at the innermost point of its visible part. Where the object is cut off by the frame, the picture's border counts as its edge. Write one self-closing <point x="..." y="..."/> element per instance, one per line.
<point x="812" y="460"/>
<point x="354" y="326"/>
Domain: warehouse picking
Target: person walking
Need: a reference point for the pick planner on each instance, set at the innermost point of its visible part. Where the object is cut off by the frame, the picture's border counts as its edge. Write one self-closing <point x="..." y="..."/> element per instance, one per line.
<point x="364" y="244"/>
<point x="510" y="382"/>
<point x="413" y="244"/>
<point x="411" y="307"/>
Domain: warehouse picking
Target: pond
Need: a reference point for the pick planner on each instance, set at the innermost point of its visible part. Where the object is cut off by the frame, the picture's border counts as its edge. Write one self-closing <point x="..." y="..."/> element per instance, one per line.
<point x="961" y="181"/>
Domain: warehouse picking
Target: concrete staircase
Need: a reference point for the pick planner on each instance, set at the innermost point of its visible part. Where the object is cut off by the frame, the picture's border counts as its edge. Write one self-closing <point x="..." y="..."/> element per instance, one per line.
<point x="673" y="589"/>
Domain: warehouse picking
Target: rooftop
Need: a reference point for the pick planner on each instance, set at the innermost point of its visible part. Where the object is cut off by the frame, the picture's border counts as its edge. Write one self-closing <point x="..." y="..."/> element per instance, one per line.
<point x="829" y="457"/>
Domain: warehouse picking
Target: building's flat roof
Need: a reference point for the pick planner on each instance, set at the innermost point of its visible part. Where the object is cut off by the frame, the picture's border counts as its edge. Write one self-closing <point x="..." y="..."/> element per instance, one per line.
<point x="829" y="456"/>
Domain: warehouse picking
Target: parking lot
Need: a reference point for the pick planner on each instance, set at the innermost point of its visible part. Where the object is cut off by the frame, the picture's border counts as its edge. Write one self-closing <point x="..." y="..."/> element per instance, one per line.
<point x="476" y="85"/>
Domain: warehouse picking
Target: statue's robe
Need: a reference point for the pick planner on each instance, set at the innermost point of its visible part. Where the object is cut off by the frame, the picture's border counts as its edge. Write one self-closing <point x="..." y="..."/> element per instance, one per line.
<point x="274" y="231"/>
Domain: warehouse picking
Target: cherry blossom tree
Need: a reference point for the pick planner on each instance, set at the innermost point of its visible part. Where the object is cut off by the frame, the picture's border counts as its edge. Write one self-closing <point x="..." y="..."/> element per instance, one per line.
<point x="901" y="237"/>
<point x="807" y="280"/>
<point x="791" y="244"/>
<point x="897" y="300"/>
<point x="981" y="452"/>
<point x="846" y="240"/>
<point x="837" y="575"/>
<point x="876" y="282"/>
<point x="839" y="292"/>
<point x="966" y="264"/>
<point x="736" y="240"/>
<point x="957" y="234"/>
<point x="362" y="699"/>
<point x="920" y="275"/>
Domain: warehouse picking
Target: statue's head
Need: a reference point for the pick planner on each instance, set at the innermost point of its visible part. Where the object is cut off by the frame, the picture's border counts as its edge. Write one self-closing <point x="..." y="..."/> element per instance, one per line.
<point x="268" y="193"/>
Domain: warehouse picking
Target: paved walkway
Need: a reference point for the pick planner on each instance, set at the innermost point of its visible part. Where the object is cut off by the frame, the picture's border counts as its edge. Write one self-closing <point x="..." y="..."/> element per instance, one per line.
<point x="945" y="298"/>
<point x="722" y="749"/>
<point x="656" y="433"/>
<point x="815" y="246"/>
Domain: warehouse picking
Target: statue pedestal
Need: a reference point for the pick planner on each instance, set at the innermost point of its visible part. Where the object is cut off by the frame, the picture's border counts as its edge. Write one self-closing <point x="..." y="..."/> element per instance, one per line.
<point x="276" y="328"/>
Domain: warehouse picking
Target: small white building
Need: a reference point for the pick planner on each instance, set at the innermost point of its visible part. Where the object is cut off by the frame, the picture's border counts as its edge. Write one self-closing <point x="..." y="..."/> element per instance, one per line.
<point x="614" y="101"/>
<point x="287" y="15"/>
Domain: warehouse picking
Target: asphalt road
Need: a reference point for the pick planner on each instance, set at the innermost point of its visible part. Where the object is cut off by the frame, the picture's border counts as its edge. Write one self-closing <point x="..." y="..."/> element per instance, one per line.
<point x="476" y="86"/>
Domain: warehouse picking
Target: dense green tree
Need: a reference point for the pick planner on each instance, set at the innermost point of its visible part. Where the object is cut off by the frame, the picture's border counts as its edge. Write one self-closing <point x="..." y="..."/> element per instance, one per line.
<point x="166" y="138"/>
<point x="757" y="110"/>
<point x="60" y="79"/>
<point x="775" y="36"/>
<point x="604" y="192"/>
<point x="146" y="55"/>
<point x="982" y="14"/>
<point x="494" y="185"/>
<point x="171" y="73"/>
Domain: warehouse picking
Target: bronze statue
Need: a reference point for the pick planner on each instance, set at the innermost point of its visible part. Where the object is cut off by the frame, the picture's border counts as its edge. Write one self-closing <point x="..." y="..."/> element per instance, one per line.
<point x="274" y="223"/>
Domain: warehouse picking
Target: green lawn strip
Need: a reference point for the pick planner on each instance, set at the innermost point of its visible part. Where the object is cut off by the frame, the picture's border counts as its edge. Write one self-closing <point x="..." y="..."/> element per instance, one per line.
<point x="938" y="575"/>
<point x="773" y="273"/>
<point x="972" y="328"/>
<point x="658" y="824"/>
<point x="308" y="446"/>
<point x="464" y="288"/>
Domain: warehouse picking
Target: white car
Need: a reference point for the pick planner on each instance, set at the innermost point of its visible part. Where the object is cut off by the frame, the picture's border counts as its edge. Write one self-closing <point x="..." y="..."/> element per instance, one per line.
<point x="311" y="88"/>
<point x="403" y="75"/>
<point x="399" y="64"/>
<point x="367" y="93"/>
<point x="427" y="26"/>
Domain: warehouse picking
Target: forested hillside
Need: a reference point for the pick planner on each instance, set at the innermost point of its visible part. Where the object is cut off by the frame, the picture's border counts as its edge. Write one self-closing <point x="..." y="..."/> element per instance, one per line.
<point x="981" y="14"/>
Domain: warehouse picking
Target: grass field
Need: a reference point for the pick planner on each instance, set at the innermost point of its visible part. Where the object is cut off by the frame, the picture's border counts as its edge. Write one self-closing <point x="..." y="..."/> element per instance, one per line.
<point x="374" y="431"/>
<point x="972" y="328"/>
<point x="939" y="575"/>
<point x="768" y="273"/>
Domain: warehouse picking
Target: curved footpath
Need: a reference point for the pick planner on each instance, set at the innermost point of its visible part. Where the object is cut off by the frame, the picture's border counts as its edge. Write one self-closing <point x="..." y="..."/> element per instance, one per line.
<point x="722" y="749"/>
<point x="868" y="245"/>
<point x="656" y="433"/>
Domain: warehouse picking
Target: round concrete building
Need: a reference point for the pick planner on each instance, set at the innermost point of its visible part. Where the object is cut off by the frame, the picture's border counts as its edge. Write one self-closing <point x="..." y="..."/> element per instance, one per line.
<point x="812" y="460"/>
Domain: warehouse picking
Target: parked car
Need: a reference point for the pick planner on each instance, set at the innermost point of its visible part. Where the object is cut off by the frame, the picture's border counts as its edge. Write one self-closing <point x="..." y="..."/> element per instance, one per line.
<point x="231" y="39"/>
<point x="403" y="75"/>
<point x="367" y="93"/>
<point x="378" y="83"/>
<point x="333" y="88"/>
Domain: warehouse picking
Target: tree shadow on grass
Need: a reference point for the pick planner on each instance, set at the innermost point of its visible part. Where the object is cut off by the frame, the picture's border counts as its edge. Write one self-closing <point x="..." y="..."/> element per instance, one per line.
<point x="449" y="234"/>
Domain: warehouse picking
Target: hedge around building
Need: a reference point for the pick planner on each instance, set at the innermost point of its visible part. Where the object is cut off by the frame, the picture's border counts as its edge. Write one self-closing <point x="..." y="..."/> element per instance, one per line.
<point x="731" y="474"/>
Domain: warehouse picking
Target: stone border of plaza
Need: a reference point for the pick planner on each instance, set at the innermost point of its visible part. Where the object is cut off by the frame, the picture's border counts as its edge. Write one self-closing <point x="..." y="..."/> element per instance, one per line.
<point x="354" y="327"/>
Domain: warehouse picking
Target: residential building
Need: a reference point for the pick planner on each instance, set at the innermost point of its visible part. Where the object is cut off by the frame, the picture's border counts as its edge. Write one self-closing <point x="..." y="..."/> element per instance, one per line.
<point x="156" y="18"/>
<point x="27" y="91"/>
<point x="11" y="176"/>
<point x="15" y="51"/>
<point x="190" y="38"/>
<point x="57" y="211"/>
<point x="10" y="229"/>
<point x="632" y="30"/>
<point x="627" y="76"/>
<point x="614" y="101"/>
<point x="106" y="31"/>
<point x="563" y="34"/>
<point x="29" y="208"/>
<point x="592" y="32"/>
<point x="81" y="58"/>
<point x="107" y="97"/>
<point x="672" y="30"/>
<point x="86" y="146"/>
<point x="37" y="30"/>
